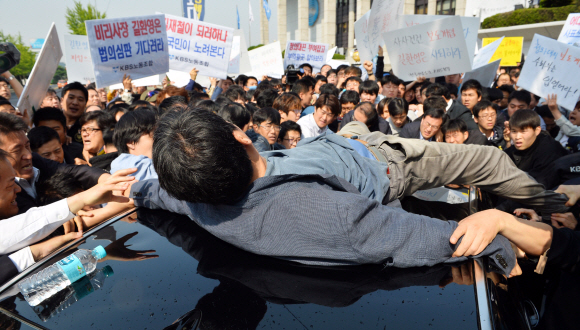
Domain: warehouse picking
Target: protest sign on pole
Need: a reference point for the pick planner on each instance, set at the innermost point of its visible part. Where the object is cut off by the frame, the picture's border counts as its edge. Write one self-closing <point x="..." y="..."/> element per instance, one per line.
<point x="361" y="34"/>
<point x="552" y="68"/>
<point x="299" y="52"/>
<point x="432" y="49"/>
<point x="509" y="51"/>
<point x="470" y="27"/>
<point x="485" y="54"/>
<point x="485" y="74"/>
<point x="41" y="74"/>
<point x="267" y="60"/>
<point x="79" y="66"/>
<point x="198" y="44"/>
<point x="570" y="33"/>
<point x="240" y="61"/>
<point x="136" y="46"/>
<point x="384" y="17"/>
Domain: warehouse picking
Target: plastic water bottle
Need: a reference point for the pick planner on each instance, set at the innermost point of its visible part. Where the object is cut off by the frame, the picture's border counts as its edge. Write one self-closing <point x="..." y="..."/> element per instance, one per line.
<point x="52" y="279"/>
<point x="72" y="293"/>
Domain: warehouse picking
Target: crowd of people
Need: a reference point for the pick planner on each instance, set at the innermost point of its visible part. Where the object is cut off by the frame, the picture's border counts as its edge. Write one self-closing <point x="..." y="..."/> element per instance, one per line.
<point x="333" y="146"/>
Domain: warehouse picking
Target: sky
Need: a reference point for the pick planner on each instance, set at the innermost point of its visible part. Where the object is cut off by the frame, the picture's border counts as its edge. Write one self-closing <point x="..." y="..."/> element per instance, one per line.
<point x="33" y="18"/>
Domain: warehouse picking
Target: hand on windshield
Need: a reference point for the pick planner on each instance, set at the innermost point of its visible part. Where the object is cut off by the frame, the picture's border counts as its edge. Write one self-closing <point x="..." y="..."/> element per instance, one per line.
<point x="120" y="252"/>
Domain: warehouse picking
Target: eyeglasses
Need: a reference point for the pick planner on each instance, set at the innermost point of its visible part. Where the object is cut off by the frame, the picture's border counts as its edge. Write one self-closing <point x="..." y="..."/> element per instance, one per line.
<point x="292" y="141"/>
<point x="326" y="114"/>
<point x="88" y="130"/>
<point x="4" y="85"/>
<point x="269" y="127"/>
<point x="488" y="116"/>
<point x="432" y="126"/>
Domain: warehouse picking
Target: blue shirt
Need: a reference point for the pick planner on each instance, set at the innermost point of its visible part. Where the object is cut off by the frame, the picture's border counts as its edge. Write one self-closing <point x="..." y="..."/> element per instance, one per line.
<point x="144" y="165"/>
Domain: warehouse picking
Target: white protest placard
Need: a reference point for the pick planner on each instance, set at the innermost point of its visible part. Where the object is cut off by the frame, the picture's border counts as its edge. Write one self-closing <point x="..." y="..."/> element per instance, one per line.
<point x="361" y="34"/>
<point x="198" y="44"/>
<point x="154" y="80"/>
<point x="470" y="27"/>
<point x="331" y="53"/>
<point x="432" y="49"/>
<point x="235" y="56"/>
<point x="552" y="67"/>
<point x="336" y="63"/>
<point x="300" y="52"/>
<point x="570" y="33"/>
<point x="267" y="60"/>
<point x="136" y="46"/>
<point x="484" y="74"/>
<point x="486" y="53"/>
<point x="239" y="61"/>
<point x="41" y="74"/>
<point x="384" y="17"/>
<point x="79" y="66"/>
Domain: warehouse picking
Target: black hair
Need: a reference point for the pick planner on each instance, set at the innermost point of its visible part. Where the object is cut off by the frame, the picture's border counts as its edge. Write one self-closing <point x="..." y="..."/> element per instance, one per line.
<point x="370" y="112"/>
<point x="241" y="80"/>
<point x="354" y="70"/>
<point x="59" y="186"/>
<point x="329" y="89"/>
<point x="320" y="77"/>
<point x="437" y="90"/>
<point x="353" y="78"/>
<point x="544" y="111"/>
<point x="522" y="96"/>
<point x="266" y="114"/>
<point x="398" y="106"/>
<point x="172" y="103"/>
<point x="286" y="126"/>
<point x="132" y="126"/>
<point x="45" y="114"/>
<point x="266" y="98"/>
<point x="453" y="89"/>
<point x="390" y="79"/>
<point x="454" y="125"/>
<point x="369" y="87"/>
<point x="480" y="106"/>
<point x="472" y="84"/>
<point x="311" y="80"/>
<point x="251" y="107"/>
<point x="506" y="88"/>
<point x="142" y="104"/>
<point x="194" y="96"/>
<point x="250" y="77"/>
<point x="302" y="86"/>
<point x="114" y="108"/>
<point x="222" y="101"/>
<point x="330" y="101"/>
<point x="235" y="92"/>
<point x="350" y="97"/>
<point x="210" y="106"/>
<point x="525" y="118"/>
<point x="75" y="85"/>
<point x="425" y="85"/>
<point x="434" y="107"/>
<point x="38" y="136"/>
<point x="113" y="104"/>
<point x="2" y="79"/>
<point x="236" y="114"/>
<point x="342" y="67"/>
<point x="198" y="159"/>
<point x="11" y="123"/>
<point x="108" y="134"/>
<point x="305" y="65"/>
<point x="382" y="104"/>
<point x="5" y="102"/>
<point x="104" y="120"/>
<point x="329" y="72"/>
<point x="494" y="94"/>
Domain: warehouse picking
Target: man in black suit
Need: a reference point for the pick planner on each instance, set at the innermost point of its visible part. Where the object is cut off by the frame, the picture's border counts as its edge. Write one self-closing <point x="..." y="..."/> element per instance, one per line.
<point x="427" y="126"/>
<point x="453" y="109"/>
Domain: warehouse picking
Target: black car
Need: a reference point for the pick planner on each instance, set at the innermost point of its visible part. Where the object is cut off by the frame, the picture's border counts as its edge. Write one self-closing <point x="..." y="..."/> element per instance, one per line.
<point x="199" y="281"/>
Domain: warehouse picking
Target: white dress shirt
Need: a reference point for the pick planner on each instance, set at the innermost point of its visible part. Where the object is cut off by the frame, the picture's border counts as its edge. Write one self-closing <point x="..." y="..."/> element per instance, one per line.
<point x="26" y="186"/>
<point x="20" y="231"/>
<point x="309" y="127"/>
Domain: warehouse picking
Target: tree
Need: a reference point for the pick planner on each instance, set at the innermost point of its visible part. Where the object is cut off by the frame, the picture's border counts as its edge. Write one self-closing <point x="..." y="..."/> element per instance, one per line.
<point x="76" y="17"/>
<point x="60" y="74"/>
<point x="27" y="57"/>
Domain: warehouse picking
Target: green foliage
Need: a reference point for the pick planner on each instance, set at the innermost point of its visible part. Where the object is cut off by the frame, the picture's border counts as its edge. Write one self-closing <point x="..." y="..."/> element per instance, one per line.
<point x="59" y="74"/>
<point x="76" y="17"/>
<point x="27" y="57"/>
<point x="338" y="57"/>
<point x="529" y="16"/>
<point x="554" y="3"/>
<point x="254" y="47"/>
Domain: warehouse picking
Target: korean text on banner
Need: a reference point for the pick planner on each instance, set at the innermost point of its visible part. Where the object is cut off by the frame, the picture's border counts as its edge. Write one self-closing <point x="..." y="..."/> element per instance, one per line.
<point x="299" y="52"/>
<point x="136" y="46"/>
<point x="484" y="74"/>
<point x="198" y="44"/>
<point x="41" y="74"/>
<point x="384" y="17"/>
<point x="552" y="68"/>
<point x="361" y="34"/>
<point x="470" y="27"/>
<point x="432" y="49"/>
<point x="509" y="51"/>
<point x="79" y="66"/>
<point x="267" y="60"/>
<point x="570" y="33"/>
<point x="486" y="53"/>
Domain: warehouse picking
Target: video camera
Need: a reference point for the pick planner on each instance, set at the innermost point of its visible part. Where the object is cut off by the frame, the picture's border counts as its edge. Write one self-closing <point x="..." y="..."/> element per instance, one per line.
<point x="10" y="58"/>
<point x="292" y="74"/>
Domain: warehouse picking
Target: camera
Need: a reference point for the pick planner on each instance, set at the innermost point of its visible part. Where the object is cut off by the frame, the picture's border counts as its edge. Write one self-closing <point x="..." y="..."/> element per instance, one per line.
<point x="10" y="58"/>
<point x="292" y="74"/>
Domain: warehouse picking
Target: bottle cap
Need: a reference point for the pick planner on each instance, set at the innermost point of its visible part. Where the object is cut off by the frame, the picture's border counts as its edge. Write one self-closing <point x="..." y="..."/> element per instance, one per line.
<point x="99" y="252"/>
<point x="108" y="271"/>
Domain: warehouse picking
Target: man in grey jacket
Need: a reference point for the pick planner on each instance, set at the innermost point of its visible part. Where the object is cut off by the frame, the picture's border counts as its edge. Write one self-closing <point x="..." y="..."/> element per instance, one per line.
<point x="321" y="203"/>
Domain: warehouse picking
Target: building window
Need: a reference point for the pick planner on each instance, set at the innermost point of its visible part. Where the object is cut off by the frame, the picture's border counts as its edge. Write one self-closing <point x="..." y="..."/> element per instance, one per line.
<point x="445" y="7"/>
<point x="421" y="7"/>
<point x="342" y="22"/>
